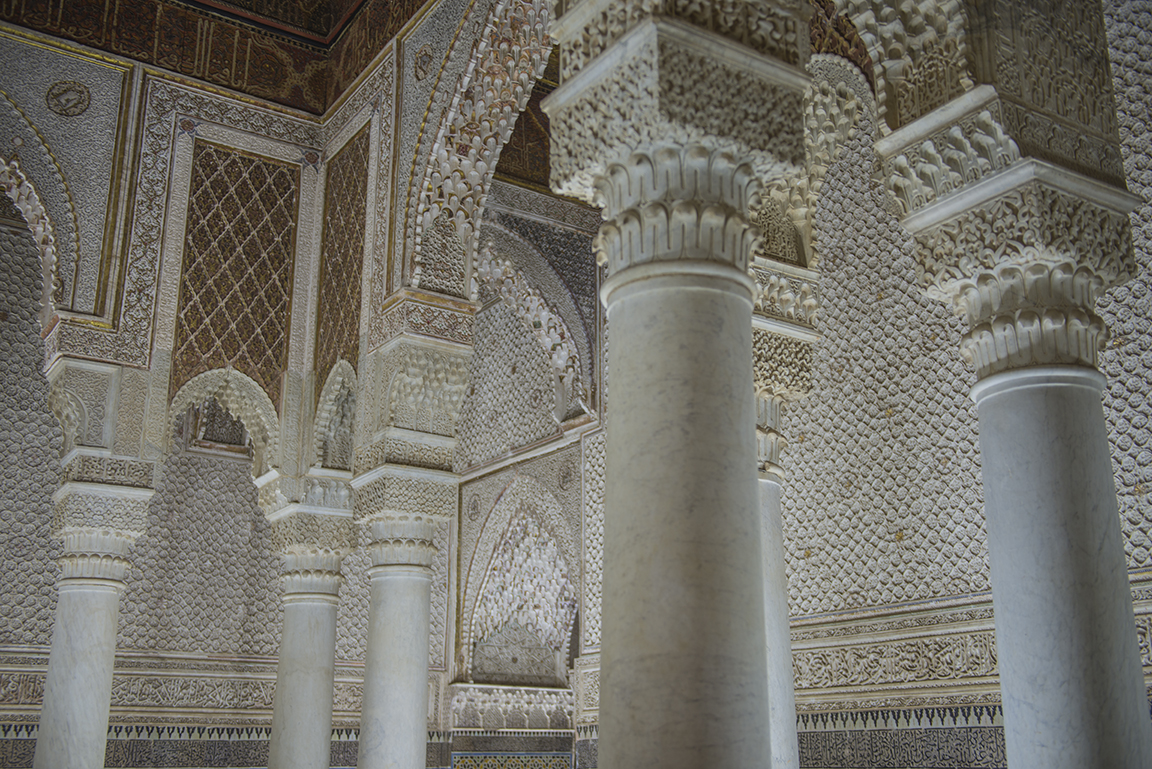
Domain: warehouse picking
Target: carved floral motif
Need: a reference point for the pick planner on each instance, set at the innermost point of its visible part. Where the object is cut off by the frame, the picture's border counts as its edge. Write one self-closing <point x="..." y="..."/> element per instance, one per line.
<point x="1026" y="270"/>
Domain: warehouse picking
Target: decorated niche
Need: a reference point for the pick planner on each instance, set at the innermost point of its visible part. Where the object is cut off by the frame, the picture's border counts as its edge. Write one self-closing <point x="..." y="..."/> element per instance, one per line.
<point x="527" y="609"/>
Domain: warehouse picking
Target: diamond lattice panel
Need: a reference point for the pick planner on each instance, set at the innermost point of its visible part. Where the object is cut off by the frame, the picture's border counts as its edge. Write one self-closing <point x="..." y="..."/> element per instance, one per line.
<point x="338" y="326"/>
<point x="235" y="286"/>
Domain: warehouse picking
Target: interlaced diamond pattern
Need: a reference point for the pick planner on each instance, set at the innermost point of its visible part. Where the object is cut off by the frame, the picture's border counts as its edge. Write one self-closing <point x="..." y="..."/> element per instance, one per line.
<point x="235" y="285"/>
<point x="342" y="260"/>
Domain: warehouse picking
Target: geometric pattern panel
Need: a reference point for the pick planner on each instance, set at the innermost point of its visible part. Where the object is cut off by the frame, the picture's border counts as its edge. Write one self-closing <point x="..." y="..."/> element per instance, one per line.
<point x="1127" y="308"/>
<point x="236" y="280"/>
<point x="967" y="747"/>
<point x="898" y="516"/>
<point x="511" y="761"/>
<point x="342" y="258"/>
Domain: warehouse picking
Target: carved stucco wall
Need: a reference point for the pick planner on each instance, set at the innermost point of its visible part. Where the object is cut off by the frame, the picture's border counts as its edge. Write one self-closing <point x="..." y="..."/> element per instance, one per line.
<point x="882" y="502"/>
<point x="205" y="574"/>
<point x="1128" y="358"/>
<point x="511" y="395"/>
<point x="29" y="449"/>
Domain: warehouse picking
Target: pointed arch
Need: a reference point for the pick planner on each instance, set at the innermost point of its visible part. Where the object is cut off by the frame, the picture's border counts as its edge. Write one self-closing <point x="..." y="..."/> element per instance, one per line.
<point x="450" y="178"/>
<point x="335" y="413"/>
<point x="244" y="399"/>
<point x="27" y="200"/>
<point x="549" y="319"/>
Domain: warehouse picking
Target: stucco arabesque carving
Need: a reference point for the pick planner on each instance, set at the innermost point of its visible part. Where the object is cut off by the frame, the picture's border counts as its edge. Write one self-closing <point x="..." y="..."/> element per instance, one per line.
<point x="786" y="216"/>
<point x="426" y="381"/>
<point x="776" y="29"/>
<point x="789" y="296"/>
<point x="921" y="52"/>
<point x="332" y="429"/>
<point x="28" y="202"/>
<point x="668" y="83"/>
<point x="244" y="399"/>
<point x="475" y="706"/>
<point x="1025" y="269"/>
<point x="502" y="278"/>
<point x="921" y="660"/>
<point x="943" y="153"/>
<point x="508" y="59"/>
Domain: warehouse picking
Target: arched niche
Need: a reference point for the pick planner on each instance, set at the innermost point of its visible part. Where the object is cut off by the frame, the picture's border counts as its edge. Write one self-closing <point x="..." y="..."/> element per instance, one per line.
<point x="332" y="429"/>
<point x="521" y="591"/>
<point x="242" y="398"/>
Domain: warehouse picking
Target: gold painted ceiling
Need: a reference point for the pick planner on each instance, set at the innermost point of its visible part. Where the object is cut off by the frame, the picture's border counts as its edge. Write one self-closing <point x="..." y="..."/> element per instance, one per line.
<point x="299" y="53"/>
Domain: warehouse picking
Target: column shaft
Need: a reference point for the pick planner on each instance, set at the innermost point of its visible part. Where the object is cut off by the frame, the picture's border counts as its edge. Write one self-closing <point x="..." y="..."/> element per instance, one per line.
<point x="781" y="681"/>
<point x="393" y="721"/>
<point x="683" y="672"/>
<point x="305" y="671"/>
<point x="394" y="716"/>
<point x="77" y="693"/>
<point x="1070" y="668"/>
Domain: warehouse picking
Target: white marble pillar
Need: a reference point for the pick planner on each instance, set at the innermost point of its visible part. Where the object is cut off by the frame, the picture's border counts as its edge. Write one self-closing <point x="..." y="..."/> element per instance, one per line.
<point x="683" y="681"/>
<point x="393" y="718"/>
<point x="781" y="681"/>
<point x="1024" y="257"/>
<point x="77" y="693"/>
<point x="305" y="671"/>
<point x="1070" y="669"/>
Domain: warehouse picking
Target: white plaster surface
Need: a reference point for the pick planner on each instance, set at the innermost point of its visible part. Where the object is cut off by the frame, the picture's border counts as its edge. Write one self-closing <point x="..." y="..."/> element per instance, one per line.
<point x="1070" y="672"/>
<point x="393" y="720"/>
<point x="683" y="681"/>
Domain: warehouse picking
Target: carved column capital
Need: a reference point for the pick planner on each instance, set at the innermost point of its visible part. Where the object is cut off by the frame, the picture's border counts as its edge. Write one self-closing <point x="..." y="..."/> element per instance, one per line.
<point x="674" y="203"/>
<point x="770" y="441"/>
<point x="1023" y="257"/>
<point x="98" y="523"/>
<point x="311" y="574"/>
<point x="95" y="555"/>
<point x="638" y="77"/>
<point x="401" y="540"/>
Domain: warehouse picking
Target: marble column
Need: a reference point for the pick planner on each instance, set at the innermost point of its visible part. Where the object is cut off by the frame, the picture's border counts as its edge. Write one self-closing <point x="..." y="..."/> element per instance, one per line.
<point x="653" y="123"/>
<point x="393" y="718"/>
<point x="1025" y="266"/>
<point x="305" y="671"/>
<point x="683" y="681"/>
<point x="78" y="689"/>
<point x="781" y="681"/>
<point x="1070" y="670"/>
